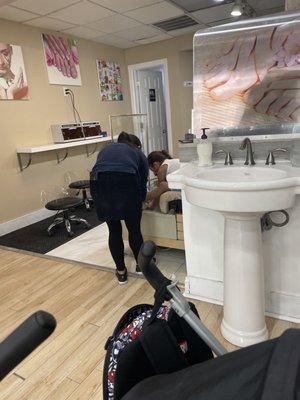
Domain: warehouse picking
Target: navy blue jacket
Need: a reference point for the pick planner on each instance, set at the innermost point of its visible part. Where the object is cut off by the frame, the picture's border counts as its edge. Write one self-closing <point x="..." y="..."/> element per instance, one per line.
<point x="120" y="157"/>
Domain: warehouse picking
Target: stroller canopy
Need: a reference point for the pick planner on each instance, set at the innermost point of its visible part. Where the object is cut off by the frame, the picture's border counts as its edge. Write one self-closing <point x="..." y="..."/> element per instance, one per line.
<point x="267" y="371"/>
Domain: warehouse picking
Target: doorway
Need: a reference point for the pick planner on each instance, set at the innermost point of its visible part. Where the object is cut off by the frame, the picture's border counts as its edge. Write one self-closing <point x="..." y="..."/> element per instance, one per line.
<point x="149" y="88"/>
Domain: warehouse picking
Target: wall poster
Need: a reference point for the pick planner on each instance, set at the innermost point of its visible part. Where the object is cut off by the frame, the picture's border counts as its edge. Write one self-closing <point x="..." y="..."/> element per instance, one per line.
<point x="13" y="81"/>
<point x="62" y="62"/>
<point x="248" y="77"/>
<point x="109" y="75"/>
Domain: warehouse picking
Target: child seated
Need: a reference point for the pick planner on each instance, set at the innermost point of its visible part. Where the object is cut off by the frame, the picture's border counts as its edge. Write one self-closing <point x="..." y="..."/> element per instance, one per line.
<point x="161" y="164"/>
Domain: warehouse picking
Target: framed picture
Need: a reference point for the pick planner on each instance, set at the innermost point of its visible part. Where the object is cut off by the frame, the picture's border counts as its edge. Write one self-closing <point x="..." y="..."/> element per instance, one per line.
<point x="110" y="84"/>
<point x="62" y="61"/>
<point x="13" y="81"/>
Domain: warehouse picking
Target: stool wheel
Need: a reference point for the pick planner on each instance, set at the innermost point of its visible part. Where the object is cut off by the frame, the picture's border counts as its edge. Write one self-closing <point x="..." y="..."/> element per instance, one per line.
<point x="88" y="226"/>
<point x="71" y="234"/>
<point x="50" y="233"/>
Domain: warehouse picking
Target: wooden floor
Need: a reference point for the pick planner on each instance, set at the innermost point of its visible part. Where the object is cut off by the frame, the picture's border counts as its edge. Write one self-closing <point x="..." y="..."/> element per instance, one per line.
<point x="87" y="304"/>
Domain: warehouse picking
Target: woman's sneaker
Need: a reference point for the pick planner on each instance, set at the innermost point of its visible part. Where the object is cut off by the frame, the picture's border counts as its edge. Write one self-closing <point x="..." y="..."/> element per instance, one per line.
<point x="138" y="270"/>
<point x="122" y="278"/>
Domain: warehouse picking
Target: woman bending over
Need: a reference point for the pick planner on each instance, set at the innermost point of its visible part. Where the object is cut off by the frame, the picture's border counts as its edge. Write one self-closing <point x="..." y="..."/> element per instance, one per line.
<point x="161" y="164"/>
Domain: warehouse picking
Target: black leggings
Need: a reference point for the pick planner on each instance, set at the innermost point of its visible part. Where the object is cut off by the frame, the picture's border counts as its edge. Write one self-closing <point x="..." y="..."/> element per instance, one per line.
<point x="115" y="242"/>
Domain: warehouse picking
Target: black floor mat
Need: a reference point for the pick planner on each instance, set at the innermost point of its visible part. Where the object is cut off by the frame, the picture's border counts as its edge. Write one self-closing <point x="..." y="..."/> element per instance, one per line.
<point x="35" y="237"/>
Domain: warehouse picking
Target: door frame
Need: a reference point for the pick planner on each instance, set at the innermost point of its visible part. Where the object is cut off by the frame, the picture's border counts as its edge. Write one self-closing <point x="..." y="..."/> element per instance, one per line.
<point x="134" y="100"/>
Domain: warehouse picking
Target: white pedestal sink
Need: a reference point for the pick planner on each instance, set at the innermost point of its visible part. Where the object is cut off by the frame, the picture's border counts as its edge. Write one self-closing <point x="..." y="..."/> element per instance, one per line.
<point x="242" y="194"/>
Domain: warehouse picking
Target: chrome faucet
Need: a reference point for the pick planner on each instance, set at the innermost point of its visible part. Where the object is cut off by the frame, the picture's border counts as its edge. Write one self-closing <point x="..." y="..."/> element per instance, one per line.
<point x="250" y="156"/>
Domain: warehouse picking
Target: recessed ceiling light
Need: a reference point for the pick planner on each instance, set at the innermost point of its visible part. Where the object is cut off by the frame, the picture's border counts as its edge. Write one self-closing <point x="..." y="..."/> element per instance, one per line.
<point x="237" y="9"/>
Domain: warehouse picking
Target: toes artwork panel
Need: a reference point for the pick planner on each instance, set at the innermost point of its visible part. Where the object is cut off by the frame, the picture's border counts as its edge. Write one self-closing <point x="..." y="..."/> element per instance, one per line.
<point x="13" y="80"/>
<point x="248" y="77"/>
<point x="62" y="61"/>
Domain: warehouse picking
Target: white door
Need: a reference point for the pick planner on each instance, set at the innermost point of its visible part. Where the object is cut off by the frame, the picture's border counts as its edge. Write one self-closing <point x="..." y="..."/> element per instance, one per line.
<point x="152" y="103"/>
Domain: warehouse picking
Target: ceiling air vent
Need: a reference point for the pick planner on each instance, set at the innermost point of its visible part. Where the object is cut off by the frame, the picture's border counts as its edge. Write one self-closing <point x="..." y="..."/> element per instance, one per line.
<point x="176" y="23"/>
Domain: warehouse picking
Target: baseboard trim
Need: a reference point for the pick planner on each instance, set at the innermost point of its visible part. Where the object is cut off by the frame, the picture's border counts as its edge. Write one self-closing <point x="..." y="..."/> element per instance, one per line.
<point x="211" y="290"/>
<point x="282" y="306"/>
<point x="202" y="298"/>
<point x="24" y="220"/>
<point x="283" y="317"/>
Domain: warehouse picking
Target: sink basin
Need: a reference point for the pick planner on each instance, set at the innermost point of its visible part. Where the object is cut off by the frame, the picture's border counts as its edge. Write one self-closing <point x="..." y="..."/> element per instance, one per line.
<point x="242" y="174"/>
<point x="245" y="189"/>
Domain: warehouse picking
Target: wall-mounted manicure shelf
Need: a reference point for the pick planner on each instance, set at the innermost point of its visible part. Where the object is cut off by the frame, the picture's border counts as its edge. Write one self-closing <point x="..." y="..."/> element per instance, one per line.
<point x="28" y="151"/>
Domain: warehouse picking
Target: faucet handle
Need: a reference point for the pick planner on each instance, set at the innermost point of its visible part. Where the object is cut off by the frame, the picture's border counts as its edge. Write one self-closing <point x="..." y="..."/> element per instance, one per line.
<point x="270" y="157"/>
<point x="228" y="157"/>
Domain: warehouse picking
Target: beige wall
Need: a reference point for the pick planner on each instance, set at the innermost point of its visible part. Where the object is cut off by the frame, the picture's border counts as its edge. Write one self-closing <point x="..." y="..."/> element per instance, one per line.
<point x="292" y="4"/>
<point x="25" y="123"/>
<point x="172" y="50"/>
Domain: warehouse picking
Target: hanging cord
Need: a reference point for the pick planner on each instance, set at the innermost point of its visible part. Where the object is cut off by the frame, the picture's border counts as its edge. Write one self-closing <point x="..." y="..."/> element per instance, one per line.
<point x="267" y="223"/>
<point x="75" y="111"/>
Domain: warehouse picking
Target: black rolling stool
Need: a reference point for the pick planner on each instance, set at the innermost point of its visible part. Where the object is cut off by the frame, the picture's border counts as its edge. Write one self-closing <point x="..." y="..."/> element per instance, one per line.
<point x="64" y="206"/>
<point x="83" y="186"/>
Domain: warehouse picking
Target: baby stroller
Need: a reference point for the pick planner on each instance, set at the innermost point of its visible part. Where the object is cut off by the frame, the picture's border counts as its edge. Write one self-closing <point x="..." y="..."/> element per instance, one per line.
<point x="162" y="353"/>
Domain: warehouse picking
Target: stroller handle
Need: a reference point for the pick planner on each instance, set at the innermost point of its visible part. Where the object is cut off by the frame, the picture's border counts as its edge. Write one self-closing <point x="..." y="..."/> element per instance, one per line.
<point x="153" y="275"/>
<point x="23" y="340"/>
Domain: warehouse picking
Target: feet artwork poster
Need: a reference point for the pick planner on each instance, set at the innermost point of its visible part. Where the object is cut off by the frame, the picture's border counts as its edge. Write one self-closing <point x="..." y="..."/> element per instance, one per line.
<point x="62" y="61"/>
<point x="109" y="75"/>
<point x="249" y="77"/>
<point x="13" y="81"/>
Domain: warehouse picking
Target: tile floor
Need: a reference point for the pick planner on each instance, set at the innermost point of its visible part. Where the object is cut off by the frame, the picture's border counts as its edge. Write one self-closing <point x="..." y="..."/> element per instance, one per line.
<point x="91" y="248"/>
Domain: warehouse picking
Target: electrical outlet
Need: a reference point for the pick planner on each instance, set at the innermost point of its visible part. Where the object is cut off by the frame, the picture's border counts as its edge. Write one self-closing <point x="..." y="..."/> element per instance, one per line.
<point x="66" y="91"/>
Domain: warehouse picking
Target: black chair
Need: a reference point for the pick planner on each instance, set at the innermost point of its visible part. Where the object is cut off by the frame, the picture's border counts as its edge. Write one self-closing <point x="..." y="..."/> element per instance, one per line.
<point x="82" y="185"/>
<point x="63" y="206"/>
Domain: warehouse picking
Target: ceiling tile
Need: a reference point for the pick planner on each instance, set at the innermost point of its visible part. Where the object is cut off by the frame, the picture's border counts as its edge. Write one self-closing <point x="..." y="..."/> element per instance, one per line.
<point x="213" y="13"/>
<point x="223" y="22"/>
<point x="185" y="31"/>
<point x="82" y="13"/>
<point x="43" y="7"/>
<point x="265" y="4"/>
<point x="269" y="11"/>
<point x="156" y="12"/>
<point x="115" y="41"/>
<point x="14" y="14"/>
<point x="153" y="39"/>
<point x="49" y="23"/>
<point x="83" y="32"/>
<point x="139" y="32"/>
<point x="195" y="5"/>
<point x="122" y="6"/>
<point x="115" y="23"/>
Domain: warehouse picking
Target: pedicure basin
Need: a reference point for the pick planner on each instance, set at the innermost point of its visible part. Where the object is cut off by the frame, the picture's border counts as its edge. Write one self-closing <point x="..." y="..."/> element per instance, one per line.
<point x="242" y="194"/>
